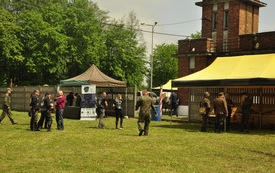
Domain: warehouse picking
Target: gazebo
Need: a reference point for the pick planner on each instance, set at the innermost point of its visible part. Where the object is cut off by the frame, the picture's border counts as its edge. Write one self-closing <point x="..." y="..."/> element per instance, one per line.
<point x="93" y="76"/>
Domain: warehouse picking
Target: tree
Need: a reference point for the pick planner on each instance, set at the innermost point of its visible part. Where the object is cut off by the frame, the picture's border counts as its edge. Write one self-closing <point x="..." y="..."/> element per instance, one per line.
<point x="165" y="67"/>
<point x="10" y="46"/>
<point x="125" y="58"/>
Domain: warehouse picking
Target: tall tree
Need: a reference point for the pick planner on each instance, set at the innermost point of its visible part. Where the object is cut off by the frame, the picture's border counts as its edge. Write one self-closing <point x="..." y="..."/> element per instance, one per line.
<point x="125" y="58"/>
<point x="10" y="46"/>
<point x="165" y="67"/>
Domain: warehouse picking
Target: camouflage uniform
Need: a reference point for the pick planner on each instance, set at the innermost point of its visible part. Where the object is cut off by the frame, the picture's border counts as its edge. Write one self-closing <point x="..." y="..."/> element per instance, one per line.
<point x="6" y="108"/>
<point x="205" y="103"/>
<point x="220" y="108"/>
<point x="145" y="103"/>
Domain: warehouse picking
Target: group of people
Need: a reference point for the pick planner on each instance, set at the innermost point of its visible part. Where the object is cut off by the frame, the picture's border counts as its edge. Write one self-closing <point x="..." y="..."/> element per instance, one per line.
<point x="46" y="106"/>
<point x="223" y="109"/>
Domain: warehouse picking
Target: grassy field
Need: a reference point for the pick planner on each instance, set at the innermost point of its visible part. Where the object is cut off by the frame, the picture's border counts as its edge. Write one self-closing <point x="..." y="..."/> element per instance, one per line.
<point x="170" y="147"/>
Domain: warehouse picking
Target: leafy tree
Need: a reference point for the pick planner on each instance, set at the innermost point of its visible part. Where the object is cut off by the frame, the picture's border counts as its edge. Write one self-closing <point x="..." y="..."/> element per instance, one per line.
<point x="10" y="46"/>
<point x="165" y="67"/>
<point x="86" y="42"/>
<point x="125" y="58"/>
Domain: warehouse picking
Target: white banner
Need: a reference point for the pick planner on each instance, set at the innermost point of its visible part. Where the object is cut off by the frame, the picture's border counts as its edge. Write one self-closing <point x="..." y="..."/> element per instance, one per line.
<point x="88" y="108"/>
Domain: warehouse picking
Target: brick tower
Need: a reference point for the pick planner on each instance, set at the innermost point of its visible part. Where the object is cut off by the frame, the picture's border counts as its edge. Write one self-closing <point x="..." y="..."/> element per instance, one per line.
<point x="229" y="27"/>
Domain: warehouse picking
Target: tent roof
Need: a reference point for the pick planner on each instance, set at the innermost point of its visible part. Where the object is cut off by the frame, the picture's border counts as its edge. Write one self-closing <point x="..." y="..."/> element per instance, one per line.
<point x="95" y="76"/>
<point x="247" y="70"/>
<point x="166" y="87"/>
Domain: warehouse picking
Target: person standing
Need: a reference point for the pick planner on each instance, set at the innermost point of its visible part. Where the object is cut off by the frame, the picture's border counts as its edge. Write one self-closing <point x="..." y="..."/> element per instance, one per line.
<point x="205" y="103"/>
<point x="230" y="105"/>
<point x="70" y="99"/>
<point x="34" y="107"/>
<point x="246" y="109"/>
<point x="78" y="100"/>
<point x="118" y="110"/>
<point x="47" y="107"/>
<point x="220" y="108"/>
<point x="102" y="105"/>
<point x="6" y="107"/>
<point x="175" y="102"/>
<point x="59" y="106"/>
<point x="145" y="103"/>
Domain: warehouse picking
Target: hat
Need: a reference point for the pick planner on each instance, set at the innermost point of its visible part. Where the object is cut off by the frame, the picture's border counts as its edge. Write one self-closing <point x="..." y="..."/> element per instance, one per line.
<point x="206" y="94"/>
<point x="8" y="89"/>
<point x="36" y="91"/>
<point x="47" y="94"/>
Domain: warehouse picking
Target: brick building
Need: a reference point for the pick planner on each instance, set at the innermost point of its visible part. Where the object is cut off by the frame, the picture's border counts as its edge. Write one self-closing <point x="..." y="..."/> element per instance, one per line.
<point x="229" y="28"/>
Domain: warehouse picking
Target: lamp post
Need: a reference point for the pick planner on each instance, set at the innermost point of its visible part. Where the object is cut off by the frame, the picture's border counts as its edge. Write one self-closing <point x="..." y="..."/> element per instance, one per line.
<point x="152" y="46"/>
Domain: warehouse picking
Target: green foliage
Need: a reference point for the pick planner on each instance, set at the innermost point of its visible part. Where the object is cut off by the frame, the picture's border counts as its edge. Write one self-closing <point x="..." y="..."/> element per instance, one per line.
<point x="44" y="41"/>
<point x="10" y="46"/>
<point x="125" y="56"/>
<point x="165" y="67"/>
<point x="195" y="35"/>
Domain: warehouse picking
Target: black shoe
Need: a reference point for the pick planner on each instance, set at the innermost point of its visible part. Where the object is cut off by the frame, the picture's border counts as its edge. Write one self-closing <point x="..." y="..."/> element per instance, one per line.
<point x="14" y="123"/>
<point x="49" y="130"/>
<point x="140" y="133"/>
<point x="37" y="130"/>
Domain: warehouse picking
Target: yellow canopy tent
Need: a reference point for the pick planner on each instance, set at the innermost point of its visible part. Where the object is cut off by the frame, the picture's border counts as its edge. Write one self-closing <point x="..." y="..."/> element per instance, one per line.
<point x="248" y="71"/>
<point x="166" y="87"/>
<point x="236" y="71"/>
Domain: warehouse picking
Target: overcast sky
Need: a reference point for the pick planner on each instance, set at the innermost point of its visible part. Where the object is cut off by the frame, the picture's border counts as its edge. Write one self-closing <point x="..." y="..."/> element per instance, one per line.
<point x="173" y="11"/>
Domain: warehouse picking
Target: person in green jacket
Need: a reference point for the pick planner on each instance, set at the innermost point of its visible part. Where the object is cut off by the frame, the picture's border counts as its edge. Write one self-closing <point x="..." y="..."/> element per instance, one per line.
<point x="145" y="103"/>
<point x="6" y="107"/>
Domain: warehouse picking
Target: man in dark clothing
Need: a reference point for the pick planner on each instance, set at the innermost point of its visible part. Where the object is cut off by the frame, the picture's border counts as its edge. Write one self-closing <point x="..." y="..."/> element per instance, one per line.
<point x="6" y="107"/>
<point x="46" y="111"/>
<point x="70" y="99"/>
<point x="175" y="101"/>
<point x="205" y="103"/>
<point x="34" y="107"/>
<point x="246" y="109"/>
<point x="78" y="100"/>
<point x="220" y="108"/>
<point x="230" y="105"/>
<point x="145" y="103"/>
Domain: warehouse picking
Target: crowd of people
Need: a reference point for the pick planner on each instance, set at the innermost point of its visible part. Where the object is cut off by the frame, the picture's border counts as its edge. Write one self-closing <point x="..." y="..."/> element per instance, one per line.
<point x="223" y="109"/>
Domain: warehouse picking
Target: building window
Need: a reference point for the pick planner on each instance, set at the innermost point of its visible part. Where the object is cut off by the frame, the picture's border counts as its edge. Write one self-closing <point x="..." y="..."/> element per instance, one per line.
<point x="225" y="20"/>
<point x="192" y="63"/>
<point x="214" y="21"/>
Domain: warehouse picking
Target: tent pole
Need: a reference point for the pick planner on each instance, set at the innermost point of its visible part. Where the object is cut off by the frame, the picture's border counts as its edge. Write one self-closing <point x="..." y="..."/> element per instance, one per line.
<point x="261" y="107"/>
<point x="225" y="91"/>
<point x="171" y="107"/>
<point x="126" y="99"/>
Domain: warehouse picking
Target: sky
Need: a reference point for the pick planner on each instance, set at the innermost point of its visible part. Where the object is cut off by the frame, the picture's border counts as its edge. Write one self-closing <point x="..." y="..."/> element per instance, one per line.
<point x="170" y="12"/>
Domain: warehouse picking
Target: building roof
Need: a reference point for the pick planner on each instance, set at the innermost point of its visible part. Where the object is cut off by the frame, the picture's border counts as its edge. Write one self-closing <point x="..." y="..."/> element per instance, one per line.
<point x="94" y="76"/>
<point x="236" y="71"/>
<point x="254" y="2"/>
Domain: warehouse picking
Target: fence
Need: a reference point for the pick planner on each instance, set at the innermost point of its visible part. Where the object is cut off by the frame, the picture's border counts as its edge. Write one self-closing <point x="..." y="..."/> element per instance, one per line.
<point x="20" y="97"/>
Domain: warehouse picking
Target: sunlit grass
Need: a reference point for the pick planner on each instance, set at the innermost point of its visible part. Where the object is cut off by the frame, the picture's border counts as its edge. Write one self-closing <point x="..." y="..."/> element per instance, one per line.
<point x="170" y="147"/>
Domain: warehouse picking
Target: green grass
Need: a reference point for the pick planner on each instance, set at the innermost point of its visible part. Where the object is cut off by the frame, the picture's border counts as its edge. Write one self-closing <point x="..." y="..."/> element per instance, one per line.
<point x="170" y="147"/>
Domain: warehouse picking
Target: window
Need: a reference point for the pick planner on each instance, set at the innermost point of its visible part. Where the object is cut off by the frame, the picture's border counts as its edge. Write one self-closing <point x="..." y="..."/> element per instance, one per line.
<point x="214" y="21"/>
<point x="225" y="20"/>
<point x="192" y="63"/>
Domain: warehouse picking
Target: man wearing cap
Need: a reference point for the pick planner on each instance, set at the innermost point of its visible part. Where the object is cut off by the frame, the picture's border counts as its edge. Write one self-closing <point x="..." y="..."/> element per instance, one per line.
<point x="221" y="112"/>
<point x="6" y="107"/>
<point x="34" y="107"/>
<point x="60" y="105"/>
<point x="205" y="103"/>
